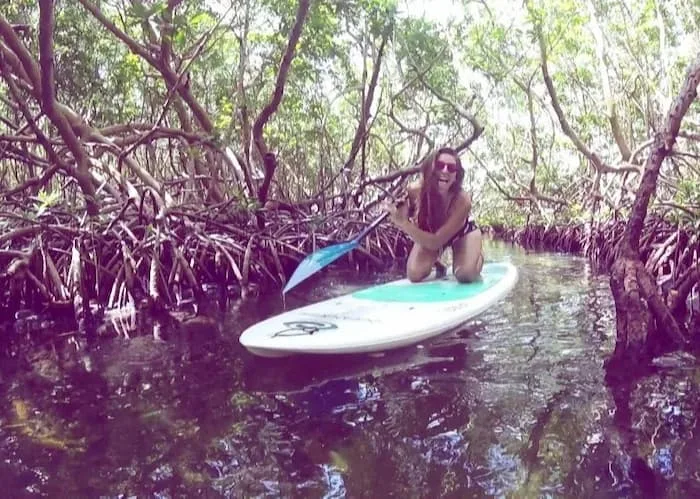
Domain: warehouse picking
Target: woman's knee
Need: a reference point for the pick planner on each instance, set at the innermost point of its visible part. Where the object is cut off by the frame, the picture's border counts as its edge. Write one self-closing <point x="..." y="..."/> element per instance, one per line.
<point x="470" y="271"/>
<point x="467" y="274"/>
<point x="416" y="274"/>
<point x="420" y="263"/>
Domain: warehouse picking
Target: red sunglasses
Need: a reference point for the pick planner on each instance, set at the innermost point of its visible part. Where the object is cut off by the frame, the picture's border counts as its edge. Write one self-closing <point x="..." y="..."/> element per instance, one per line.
<point x="441" y="165"/>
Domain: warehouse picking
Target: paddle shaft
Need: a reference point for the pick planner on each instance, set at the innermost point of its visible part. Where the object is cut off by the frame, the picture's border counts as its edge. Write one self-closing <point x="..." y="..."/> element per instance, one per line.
<point x="371" y="227"/>
<point x="319" y="259"/>
<point x="374" y="224"/>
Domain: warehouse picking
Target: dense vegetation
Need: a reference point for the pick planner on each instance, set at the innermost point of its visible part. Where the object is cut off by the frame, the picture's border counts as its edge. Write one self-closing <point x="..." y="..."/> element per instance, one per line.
<point x="147" y="146"/>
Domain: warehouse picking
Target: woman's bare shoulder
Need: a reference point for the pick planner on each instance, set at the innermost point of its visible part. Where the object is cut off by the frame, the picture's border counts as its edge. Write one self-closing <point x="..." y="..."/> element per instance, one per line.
<point x="413" y="190"/>
<point x="463" y="197"/>
<point x="464" y="200"/>
<point x="414" y="187"/>
<point x="467" y="197"/>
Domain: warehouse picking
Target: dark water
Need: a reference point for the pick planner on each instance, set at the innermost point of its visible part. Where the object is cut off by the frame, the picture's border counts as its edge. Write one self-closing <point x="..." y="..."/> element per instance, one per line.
<point x="514" y="404"/>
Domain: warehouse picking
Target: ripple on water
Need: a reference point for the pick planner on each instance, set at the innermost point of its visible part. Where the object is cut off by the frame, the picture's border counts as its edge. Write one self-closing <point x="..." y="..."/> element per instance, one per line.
<point x="512" y="404"/>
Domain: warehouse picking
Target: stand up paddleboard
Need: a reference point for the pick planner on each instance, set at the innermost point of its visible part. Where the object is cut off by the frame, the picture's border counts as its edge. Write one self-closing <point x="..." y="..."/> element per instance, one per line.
<point x="380" y="317"/>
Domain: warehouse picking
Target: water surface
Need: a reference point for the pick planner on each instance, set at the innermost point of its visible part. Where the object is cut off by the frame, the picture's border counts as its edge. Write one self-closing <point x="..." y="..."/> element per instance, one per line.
<point x="513" y="404"/>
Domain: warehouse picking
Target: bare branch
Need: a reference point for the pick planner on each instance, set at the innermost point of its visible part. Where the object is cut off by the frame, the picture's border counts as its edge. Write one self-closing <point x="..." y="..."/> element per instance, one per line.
<point x="477" y="128"/>
<point x="690" y="136"/>
<point x="35" y="182"/>
<point x="171" y="77"/>
<point x="414" y="131"/>
<point x="595" y="160"/>
<point x="362" y="128"/>
<point x="663" y="147"/>
<point x="134" y="46"/>
<point x="272" y="106"/>
<point x="611" y="109"/>
<point x="43" y="91"/>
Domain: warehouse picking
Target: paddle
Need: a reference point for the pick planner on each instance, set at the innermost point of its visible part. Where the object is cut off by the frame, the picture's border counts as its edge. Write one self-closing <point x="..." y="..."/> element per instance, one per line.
<point x="325" y="256"/>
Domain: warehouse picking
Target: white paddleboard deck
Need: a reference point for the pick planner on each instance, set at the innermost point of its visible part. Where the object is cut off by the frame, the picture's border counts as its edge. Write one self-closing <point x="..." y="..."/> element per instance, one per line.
<point x="380" y="317"/>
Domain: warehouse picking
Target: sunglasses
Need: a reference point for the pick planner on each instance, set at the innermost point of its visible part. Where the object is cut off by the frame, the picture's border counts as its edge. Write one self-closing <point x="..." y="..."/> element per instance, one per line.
<point x="440" y="165"/>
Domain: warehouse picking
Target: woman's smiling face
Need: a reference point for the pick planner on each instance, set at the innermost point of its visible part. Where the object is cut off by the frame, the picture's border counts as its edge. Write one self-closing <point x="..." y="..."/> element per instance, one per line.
<point x="445" y="171"/>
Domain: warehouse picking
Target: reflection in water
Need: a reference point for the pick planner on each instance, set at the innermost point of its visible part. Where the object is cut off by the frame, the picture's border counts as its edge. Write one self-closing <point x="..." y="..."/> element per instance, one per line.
<point x="514" y="403"/>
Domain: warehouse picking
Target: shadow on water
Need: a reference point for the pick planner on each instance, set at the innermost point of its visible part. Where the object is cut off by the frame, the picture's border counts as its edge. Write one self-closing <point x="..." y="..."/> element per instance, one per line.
<point x="514" y="403"/>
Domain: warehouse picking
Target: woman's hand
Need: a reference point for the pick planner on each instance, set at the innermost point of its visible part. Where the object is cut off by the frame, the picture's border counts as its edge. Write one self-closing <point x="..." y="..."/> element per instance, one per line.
<point x="398" y="212"/>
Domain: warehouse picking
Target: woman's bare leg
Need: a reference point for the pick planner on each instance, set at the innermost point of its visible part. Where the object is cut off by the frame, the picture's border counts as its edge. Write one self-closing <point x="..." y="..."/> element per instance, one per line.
<point x="468" y="258"/>
<point x="420" y="263"/>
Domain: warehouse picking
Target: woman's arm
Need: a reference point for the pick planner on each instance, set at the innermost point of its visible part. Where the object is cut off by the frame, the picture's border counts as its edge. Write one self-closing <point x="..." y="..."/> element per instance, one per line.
<point x="412" y="195"/>
<point x="455" y="220"/>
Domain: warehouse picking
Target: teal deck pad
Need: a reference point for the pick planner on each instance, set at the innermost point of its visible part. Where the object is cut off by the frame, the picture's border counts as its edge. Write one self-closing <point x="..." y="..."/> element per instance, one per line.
<point x="433" y="291"/>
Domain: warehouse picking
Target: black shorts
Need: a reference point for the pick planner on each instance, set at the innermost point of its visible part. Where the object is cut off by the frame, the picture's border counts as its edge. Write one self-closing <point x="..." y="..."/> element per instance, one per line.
<point x="469" y="226"/>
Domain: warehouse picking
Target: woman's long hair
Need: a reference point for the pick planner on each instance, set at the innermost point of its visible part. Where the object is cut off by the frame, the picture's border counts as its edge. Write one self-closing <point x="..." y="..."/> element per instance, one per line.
<point x="432" y="210"/>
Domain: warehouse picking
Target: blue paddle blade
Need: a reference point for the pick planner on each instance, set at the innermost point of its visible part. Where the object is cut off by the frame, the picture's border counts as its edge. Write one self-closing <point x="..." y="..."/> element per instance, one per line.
<point x="317" y="260"/>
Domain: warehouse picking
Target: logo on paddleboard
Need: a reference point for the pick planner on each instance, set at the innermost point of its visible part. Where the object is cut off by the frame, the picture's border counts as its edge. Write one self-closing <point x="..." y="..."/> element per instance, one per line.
<point x="300" y="328"/>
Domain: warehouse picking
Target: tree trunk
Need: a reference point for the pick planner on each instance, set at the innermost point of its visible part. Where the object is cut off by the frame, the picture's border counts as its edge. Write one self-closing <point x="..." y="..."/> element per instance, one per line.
<point x="177" y="83"/>
<point x="271" y="107"/>
<point x="644" y="321"/>
<point x="242" y="100"/>
<point x="367" y="100"/>
<point x="42" y="81"/>
<point x="633" y="317"/>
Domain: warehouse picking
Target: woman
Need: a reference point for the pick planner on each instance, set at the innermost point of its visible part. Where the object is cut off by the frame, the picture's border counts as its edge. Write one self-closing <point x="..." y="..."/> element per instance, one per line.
<point x="442" y="219"/>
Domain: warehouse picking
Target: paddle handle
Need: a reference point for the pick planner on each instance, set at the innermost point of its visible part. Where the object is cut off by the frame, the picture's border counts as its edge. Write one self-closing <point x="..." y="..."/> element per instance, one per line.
<point x="374" y="224"/>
